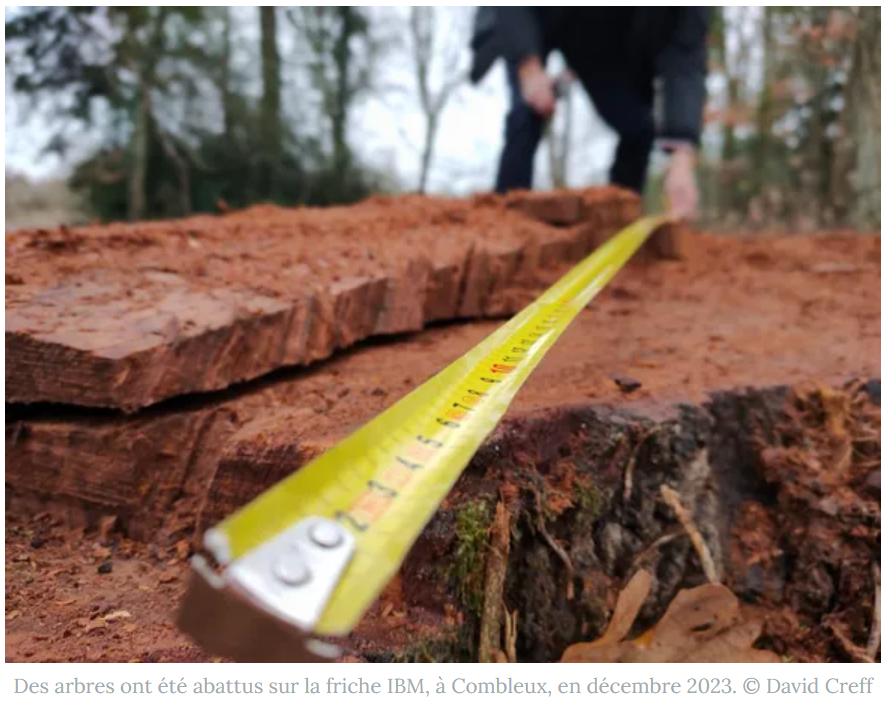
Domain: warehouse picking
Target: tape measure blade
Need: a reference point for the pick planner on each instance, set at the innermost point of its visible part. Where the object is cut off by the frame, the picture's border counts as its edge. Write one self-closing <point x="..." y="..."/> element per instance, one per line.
<point x="386" y="480"/>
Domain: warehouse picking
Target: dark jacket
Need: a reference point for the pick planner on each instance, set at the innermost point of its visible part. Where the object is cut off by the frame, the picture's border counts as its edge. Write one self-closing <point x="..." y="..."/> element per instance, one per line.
<point x="663" y="42"/>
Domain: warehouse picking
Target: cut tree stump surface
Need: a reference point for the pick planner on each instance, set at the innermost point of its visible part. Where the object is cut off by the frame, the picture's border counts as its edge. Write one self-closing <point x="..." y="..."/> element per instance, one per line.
<point x="124" y="316"/>
<point x="761" y="470"/>
<point x="736" y="312"/>
<point x="101" y="316"/>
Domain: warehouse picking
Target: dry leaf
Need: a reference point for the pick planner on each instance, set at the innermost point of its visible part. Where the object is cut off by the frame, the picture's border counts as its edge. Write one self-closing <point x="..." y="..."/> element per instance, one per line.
<point x="701" y="625"/>
<point x="631" y="599"/>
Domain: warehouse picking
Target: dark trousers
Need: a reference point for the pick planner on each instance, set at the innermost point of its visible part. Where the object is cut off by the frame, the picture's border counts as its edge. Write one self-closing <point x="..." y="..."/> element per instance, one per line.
<point x="625" y="104"/>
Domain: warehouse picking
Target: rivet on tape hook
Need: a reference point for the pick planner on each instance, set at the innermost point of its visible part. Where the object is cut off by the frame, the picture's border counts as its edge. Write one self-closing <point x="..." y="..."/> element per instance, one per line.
<point x="270" y="599"/>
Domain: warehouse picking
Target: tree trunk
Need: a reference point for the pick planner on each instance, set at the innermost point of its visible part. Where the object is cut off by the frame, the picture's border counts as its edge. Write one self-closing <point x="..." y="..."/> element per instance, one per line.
<point x="340" y="106"/>
<point x="427" y="155"/>
<point x="558" y="143"/>
<point x="270" y="105"/>
<point x="421" y="28"/>
<point x="729" y="141"/>
<point x="764" y="124"/>
<point x="139" y="149"/>
<point x="146" y="58"/>
<point x="226" y="73"/>
<point x="866" y="97"/>
<point x="727" y="200"/>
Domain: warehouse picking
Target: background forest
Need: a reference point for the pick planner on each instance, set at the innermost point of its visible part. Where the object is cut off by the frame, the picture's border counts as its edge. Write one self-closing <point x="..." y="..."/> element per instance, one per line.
<point x="151" y="112"/>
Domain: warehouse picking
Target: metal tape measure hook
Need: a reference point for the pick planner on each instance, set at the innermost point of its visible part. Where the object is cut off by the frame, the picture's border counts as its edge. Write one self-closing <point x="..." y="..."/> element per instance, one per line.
<point x="272" y="597"/>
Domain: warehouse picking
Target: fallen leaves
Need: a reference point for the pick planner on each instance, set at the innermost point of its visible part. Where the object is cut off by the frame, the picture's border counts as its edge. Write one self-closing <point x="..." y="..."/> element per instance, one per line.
<point x="701" y="625"/>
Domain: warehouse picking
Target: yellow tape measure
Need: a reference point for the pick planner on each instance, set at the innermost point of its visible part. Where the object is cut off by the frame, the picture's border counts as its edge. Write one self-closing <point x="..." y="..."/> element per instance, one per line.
<point x="384" y="482"/>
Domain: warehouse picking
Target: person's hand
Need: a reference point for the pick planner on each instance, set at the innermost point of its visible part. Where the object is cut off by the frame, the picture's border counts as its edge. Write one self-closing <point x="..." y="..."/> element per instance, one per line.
<point x="681" y="190"/>
<point x="537" y="87"/>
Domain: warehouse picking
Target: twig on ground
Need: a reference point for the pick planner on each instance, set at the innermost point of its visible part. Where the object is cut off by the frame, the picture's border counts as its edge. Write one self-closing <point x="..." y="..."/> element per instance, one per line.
<point x="686" y="520"/>
<point x="557" y="548"/>
<point x="510" y="634"/>
<point x="856" y="653"/>
<point x="875" y="633"/>
<point x="493" y="591"/>
<point x="632" y="463"/>
<point x="614" y="459"/>
<point x="650" y="550"/>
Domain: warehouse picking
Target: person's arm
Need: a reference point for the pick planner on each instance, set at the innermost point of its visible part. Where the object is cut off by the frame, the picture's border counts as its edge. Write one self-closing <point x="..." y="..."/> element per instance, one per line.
<point x="682" y="65"/>
<point x="521" y="42"/>
<point x="519" y="33"/>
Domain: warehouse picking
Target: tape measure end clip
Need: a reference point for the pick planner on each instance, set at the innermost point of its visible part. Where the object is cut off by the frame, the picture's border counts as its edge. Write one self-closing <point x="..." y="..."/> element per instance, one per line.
<point x="272" y="596"/>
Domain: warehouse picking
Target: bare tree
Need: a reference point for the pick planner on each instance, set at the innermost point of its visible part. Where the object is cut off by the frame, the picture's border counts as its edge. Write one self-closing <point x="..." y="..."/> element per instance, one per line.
<point x="270" y="102"/>
<point x="336" y="47"/>
<point x="863" y="115"/>
<point x="225" y="70"/>
<point x="764" y="117"/>
<point x="144" y="55"/>
<point x="425" y="50"/>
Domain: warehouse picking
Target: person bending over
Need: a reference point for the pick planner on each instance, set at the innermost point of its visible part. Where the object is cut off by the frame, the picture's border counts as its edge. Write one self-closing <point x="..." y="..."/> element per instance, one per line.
<point x="618" y="54"/>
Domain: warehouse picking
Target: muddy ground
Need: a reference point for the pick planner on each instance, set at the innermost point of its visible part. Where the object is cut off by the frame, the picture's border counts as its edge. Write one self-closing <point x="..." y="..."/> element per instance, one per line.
<point x="739" y="376"/>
